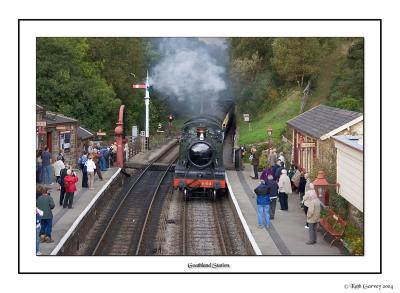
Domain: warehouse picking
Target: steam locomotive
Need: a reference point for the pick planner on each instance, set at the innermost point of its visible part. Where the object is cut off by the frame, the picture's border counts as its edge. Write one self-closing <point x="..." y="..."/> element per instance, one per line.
<point x="200" y="171"/>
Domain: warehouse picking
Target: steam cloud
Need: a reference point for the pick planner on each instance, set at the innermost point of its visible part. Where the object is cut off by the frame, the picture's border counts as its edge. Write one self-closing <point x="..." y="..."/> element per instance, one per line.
<point x="191" y="72"/>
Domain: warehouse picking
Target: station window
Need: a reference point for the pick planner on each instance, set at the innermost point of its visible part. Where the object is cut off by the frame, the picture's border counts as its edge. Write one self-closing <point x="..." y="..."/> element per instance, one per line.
<point x="65" y="140"/>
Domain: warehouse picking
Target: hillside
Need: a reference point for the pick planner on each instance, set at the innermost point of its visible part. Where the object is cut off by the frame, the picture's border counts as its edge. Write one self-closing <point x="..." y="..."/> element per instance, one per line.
<point x="276" y="118"/>
<point x="289" y="105"/>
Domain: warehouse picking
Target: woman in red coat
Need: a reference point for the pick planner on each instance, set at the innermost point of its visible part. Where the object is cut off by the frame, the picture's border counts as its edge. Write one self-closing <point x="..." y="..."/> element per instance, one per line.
<point x="70" y="188"/>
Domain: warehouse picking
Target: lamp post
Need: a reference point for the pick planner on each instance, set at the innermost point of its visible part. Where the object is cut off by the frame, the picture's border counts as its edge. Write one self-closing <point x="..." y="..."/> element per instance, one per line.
<point x="321" y="187"/>
<point x="269" y="133"/>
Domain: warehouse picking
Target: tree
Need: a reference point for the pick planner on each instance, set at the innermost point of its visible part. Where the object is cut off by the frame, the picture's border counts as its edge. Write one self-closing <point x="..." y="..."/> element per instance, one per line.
<point x="253" y="80"/>
<point x="69" y="83"/>
<point x="125" y="62"/>
<point x="349" y="83"/>
<point x="296" y="59"/>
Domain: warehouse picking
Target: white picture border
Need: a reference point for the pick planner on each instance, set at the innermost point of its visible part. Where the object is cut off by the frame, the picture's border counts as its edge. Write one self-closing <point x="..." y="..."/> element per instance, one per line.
<point x="369" y="30"/>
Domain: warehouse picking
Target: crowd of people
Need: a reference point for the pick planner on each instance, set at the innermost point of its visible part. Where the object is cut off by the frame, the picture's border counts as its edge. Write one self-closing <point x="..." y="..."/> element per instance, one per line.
<point x="278" y="183"/>
<point x="93" y="161"/>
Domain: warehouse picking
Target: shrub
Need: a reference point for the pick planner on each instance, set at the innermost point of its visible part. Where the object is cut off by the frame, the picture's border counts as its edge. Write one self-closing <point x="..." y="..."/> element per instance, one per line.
<point x="348" y="103"/>
<point x="354" y="239"/>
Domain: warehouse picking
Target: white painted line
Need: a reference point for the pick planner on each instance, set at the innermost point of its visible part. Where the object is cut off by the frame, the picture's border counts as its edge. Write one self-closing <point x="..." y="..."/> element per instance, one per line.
<point x="77" y="221"/>
<point x="242" y="219"/>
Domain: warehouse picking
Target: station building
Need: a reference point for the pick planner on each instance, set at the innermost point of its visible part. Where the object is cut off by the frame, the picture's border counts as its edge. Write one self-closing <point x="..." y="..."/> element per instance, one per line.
<point x="350" y="174"/>
<point x="59" y="132"/>
<point x="312" y="132"/>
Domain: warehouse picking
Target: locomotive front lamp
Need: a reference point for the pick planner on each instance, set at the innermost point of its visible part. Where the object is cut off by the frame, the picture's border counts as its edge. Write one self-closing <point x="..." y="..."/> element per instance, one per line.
<point x="321" y="187"/>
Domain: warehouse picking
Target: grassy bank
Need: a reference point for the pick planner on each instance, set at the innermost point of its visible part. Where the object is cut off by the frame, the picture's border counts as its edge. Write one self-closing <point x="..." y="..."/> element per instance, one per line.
<point x="288" y="108"/>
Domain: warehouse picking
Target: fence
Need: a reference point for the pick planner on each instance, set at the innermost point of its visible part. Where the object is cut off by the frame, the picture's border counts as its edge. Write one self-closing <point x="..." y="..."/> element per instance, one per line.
<point x="137" y="144"/>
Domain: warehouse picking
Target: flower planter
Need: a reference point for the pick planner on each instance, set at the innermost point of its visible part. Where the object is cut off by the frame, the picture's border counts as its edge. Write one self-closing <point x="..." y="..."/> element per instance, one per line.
<point x="347" y="247"/>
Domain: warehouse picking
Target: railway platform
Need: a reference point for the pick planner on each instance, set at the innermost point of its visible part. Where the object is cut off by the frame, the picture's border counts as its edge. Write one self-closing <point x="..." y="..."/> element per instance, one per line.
<point x="287" y="235"/>
<point x="63" y="219"/>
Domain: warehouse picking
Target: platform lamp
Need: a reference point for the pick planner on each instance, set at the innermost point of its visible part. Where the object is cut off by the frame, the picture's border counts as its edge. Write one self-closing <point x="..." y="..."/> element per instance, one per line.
<point x="269" y="133"/>
<point x="321" y="187"/>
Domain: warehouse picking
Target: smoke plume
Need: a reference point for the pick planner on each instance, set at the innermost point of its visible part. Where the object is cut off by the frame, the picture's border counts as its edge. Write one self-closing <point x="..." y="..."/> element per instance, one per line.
<point x="191" y="73"/>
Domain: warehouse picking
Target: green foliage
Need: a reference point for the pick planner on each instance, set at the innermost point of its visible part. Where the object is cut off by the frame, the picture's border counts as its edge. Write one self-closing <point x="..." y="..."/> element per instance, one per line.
<point x="349" y="83"/>
<point x="68" y="82"/>
<point x="296" y="58"/>
<point x="258" y="96"/>
<point x="125" y="62"/>
<point x="277" y="117"/>
<point x="354" y="239"/>
<point x="89" y="78"/>
<point x="247" y="47"/>
<point x="348" y="103"/>
<point x="252" y="77"/>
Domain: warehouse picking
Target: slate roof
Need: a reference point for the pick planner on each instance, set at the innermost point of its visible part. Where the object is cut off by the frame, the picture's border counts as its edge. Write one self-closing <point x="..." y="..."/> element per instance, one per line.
<point x="54" y="118"/>
<point x="84" y="133"/>
<point x="322" y="119"/>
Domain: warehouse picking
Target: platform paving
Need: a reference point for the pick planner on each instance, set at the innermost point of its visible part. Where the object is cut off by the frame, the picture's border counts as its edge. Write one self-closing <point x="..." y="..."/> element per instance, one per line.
<point x="287" y="235"/>
<point x="63" y="218"/>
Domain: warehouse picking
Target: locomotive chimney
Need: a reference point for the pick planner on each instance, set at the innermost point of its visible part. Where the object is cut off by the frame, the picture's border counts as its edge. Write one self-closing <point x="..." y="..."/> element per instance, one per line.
<point x="201" y="133"/>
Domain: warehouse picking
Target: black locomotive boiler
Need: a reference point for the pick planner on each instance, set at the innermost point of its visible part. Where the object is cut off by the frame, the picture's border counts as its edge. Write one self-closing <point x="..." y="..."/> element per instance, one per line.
<point x="200" y="171"/>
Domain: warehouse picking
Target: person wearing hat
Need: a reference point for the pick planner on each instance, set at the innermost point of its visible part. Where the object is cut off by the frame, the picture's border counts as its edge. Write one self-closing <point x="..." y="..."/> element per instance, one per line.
<point x="313" y="205"/>
<point x="263" y="202"/>
<point x="285" y="188"/>
<point x="45" y="203"/>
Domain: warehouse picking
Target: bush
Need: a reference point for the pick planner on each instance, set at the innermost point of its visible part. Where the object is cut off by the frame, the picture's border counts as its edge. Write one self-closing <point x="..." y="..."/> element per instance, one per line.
<point x="354" y="239"/>
<point x="348" y="103"/>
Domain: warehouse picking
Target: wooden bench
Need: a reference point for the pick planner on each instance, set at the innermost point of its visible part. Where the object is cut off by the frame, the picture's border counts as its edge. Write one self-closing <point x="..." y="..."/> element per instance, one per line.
<point x="333" y="225"/>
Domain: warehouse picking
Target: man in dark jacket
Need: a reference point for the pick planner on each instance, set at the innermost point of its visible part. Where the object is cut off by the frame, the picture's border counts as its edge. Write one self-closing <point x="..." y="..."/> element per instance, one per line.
<point x="275" y="167"/>
<point x="278" y="171"/>
<point x="302" y="186"/>
<point x="63" y="173"/>
<point x="46" y="161"/>
<point x="263" y="202"/>
<point x="255" y="162"/>
<point x="273" y="194"/>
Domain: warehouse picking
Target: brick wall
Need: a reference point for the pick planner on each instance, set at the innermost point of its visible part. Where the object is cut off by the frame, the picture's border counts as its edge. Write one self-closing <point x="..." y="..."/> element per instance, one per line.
<point x="71" y="156"/>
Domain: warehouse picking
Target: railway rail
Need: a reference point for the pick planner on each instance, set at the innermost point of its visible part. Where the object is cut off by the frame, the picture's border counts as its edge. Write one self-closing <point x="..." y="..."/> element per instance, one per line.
<point x="132" y="222"/>
<point x="209" y="228"/>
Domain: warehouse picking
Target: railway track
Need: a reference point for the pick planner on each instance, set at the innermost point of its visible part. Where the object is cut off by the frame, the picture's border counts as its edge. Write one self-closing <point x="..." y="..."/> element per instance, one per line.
<point x="202" y="230"/>
<point x="134" y="223"/>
